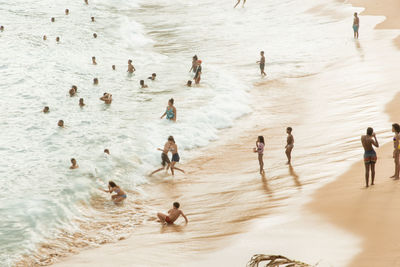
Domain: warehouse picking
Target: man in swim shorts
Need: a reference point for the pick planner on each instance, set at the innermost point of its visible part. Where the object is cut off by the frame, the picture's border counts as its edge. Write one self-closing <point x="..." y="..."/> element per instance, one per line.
<point x="356" y="25"/>
<point x="368" y="141"/>
<point x="173" y="215"/>
<point x="165" y="161"/>
<point x="262" y="63"/>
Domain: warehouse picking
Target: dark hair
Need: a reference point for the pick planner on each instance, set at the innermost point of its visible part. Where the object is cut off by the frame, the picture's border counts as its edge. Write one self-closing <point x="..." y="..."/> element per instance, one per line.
<point x="46" y="107"/>
<point x="95" y="80"/>
<point x="129" y="60"/>
<point x="195" y="57"/>
<point x="112" y="184"/>
<point x="396" y="127"/>
<point x="80" y="99"/>
<point x="153" y="74"/>
<point x="261" y="139"/>
<point x="75" y="87"/>
<point x="106" y="150"/>
<point x="262" y="52"/>
<point x="355" y="13"/>
<point x="189" y="82"/>
<point x="171" y="138"/>
<point x="289" y="128"/>
<point x="73" y="160"/>
<point x="141" y="82"/>
<point x="177" y="205"/>
<point x="370" y="131"/>
<point x="171" y="101"/>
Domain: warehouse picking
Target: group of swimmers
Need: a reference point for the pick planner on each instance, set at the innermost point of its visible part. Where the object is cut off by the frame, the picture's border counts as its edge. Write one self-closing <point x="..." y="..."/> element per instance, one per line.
<point x="368" y="142"/>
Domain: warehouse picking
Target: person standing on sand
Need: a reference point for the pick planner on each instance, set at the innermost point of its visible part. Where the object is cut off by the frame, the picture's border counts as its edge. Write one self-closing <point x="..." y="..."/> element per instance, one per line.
<point x="173" y="215"/>
<point x="368" y="141"/>
<point x="356" y="25"/>
<point x="289" y="145"/>
<point x="396" y="151"/>
<point x="244" y="2"/>
<point x="262" y="63"/>
<point x="260" y="144"/>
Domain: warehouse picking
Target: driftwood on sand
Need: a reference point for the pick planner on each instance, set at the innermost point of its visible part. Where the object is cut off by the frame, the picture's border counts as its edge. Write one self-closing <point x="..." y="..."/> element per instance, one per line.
<point x="274" y="261"/>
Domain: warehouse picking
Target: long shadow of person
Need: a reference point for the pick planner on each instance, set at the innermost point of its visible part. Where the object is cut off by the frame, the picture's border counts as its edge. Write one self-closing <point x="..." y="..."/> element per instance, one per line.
<point x="295" y="176"/>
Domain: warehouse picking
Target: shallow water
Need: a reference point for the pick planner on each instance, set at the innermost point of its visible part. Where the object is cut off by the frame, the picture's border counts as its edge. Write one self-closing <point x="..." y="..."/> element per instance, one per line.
<point x="161" y="37"/>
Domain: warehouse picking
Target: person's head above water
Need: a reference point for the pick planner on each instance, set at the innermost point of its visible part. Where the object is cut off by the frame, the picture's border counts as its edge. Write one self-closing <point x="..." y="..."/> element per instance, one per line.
<point x="396" y="127"/>
<point x="189" y="83"/>
<point x="370" y="131"/>
<point x="154" y="75"/>
<point x="261" y="139"/>
<point x="176" y="205"/>
<point x="289" y="129"/>
<point x="75" y="88"/>
<point x="141" y="82"/>
<point x="107" y="151"/>
<point x="171" y="139"/>
<point x="81" y="102"/>
<point x="95" y="81"/>
<point x="94" y="60"/>
<point x="1" y="28"/>
<point x="195" y="57"/>
<point x="66" y="11"/>
<point x="355" y="14"/>
<point x="171" y="102"/>
<point x="57" y="39"/>
<point x="46" y="109"/>
<point x="44" y="37"/>
<point x="95" y="35"/>
<point x="113" y="67"/>
<point x="262" y="53"/>
<point x="112" y="184"/>
<point x="73" y="161"/>
<point x="60" y="123"/>
<point x="53" y="19"/>
<point x="130" y="61"/>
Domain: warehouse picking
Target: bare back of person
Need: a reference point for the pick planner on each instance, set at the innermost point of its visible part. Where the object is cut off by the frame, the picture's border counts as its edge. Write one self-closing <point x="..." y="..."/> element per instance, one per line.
<point x="367" y="142"/>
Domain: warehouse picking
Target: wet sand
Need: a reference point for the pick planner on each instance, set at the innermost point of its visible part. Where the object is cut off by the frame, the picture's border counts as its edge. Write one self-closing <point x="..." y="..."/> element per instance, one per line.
<point x="236" y="213"/>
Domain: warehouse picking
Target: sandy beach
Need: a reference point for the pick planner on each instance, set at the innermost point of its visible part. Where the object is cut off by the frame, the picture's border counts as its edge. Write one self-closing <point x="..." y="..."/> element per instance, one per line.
<point x="234" y="212"/>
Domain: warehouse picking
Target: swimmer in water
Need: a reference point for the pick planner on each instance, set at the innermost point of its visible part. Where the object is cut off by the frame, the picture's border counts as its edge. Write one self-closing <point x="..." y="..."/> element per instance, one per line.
<point x="165" y="162"/>
<point x="194" y="64"/>
<point x="94" y="61"/>
<point x="189" y="83"/>
<point x="81" y="104"/>
<point x="131" y="68"/>
<point x="74" y="164"/>
<point x="396" y="150"/>
<point x="44" y="37"/>
<point x="289" y="145"/>
<point x="73" y="90"/>
<point x="92" y="18"/>
<point x="260" y="150"/>
<point x="95" y="81"/>
<point x="60" y="123"/>
<point x="368" y="141"/>
<point x="244" y="2"/>
<point x="107" y="151"/>
<point x="1" y="28"/>
<point x="262" y="63"/>
<point x="120" y="196"/>
<point x="95" y="35"/>
<point x="152" y="77"/>
<point x="197" y="76"/>
<point x="142" y="85"/>
<point x="53" y="19"/>
<point x="46" y="109"/>
<point x="86" y="2"/>
<point x="57" y="39"/>
<point x="173" y="215"/>
<point x="170" y="112"/>
<point x="113" y="67"/>
<point x="107" y="98"/>
<point x="175" y="156"/>
<point x="67" y="11"/>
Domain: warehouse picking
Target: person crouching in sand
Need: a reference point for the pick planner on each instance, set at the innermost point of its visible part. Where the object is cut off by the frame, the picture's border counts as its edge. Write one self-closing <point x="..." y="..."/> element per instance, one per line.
<point x="289" y="145"/>
<point x="173" y="215"/>
<point x="368" y="141"/>
<point x="74" y="164"/>
<point x="107" y="98"/>
<point x="120" y="196"/>
<point x="260" y="150"/>
<point x="396" y="151"/>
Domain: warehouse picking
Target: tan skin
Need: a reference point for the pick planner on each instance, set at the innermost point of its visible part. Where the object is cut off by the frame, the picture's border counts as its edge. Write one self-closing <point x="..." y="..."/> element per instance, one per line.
<point x="260" y="157"/>
<point x="94" y="61"/>
<point x="74" y="164"/>
<point x="165" y="151"/>
<point x="396" y="154"/>
<point x="131" y="68"/>
<point x="107" y="98"/>
<point x="289" y="146"/>
<point x="170" y="105"/>
<point x="262" y="61"/>
<point x="173" y="215"/>
<point x="119" y="196"/>
<point x="81" y="104"/>
<point x="356" y="21"/>
<point x="174" y="149"/>
<point x="368" y="141"/>
<point x="238" y="2"/>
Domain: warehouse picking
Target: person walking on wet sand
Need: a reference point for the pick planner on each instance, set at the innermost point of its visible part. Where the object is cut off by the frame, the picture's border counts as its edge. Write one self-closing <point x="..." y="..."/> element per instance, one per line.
<point x="396" y="151"/>
<point x="173" y="215"/>
<point x="262" y="63"/>
<point x="356" y="25"/>
<point x="368" y="141"/>
<point x="238" y="2"/>
<point x="260" y="150"/>
<point x="289" y="145"/>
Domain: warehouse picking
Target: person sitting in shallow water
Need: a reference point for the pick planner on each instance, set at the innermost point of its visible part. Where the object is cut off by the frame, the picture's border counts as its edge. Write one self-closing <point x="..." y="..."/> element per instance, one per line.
<point x="142" y="85"/>
<point x="81" y="104"/>
<point x="120" y="196"/>
<point x="173" y="215"/>
<point x="60" y="123"/>
<point x="107" y="98"/>
<point x="113" y="67"/>
<point x="170" y="112"/>
<point x="189" y="83"/>
<point x="74" y="164"/>
<point x="73" y="90"/>
<point x="152" y="77"/>
<point x="46" y="109"/>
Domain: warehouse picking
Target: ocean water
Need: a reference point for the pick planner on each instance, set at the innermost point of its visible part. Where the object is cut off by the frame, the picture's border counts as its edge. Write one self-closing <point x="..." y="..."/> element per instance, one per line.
<point x="40" y="197"/>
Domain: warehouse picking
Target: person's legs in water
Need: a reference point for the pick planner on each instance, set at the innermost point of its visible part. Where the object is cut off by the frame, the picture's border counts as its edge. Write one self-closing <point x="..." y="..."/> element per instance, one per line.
<point x="175" y="168"/>
<point x="237" y="4"/>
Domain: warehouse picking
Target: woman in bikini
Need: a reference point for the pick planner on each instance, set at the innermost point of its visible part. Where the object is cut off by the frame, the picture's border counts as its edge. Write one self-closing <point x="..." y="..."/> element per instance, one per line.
<point x="120" y="196"/>
<point x="170" y="112"/>
<point x="260" y="150"/>
<point x="175" y="156"/>
<point x="396" y="151"/>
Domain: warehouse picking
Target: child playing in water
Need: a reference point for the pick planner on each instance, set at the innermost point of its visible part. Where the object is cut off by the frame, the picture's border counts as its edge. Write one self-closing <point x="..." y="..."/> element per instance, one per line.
<point x="120" y="196"/>
<point x="260" y="150"/>
<point x="173" y="215"/>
